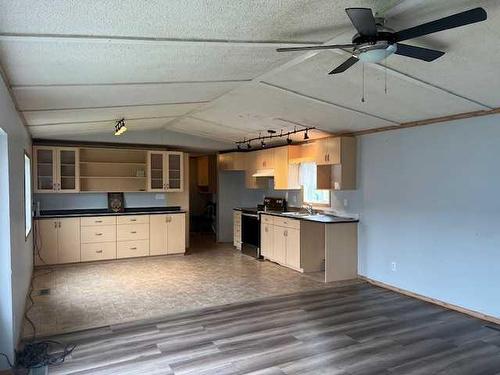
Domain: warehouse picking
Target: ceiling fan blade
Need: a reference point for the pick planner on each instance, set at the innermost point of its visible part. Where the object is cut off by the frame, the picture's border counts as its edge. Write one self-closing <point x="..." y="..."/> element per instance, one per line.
<point x="420" y="53"/>
<point x="363" y="21"/>
<point x="313" y="48"/>
<point x="450" y="22"/>
<point x="345" y="65"/>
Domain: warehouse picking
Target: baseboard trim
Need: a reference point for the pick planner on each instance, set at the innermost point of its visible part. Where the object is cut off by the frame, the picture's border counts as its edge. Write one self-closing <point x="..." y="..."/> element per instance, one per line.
<point x="450" y="306"/>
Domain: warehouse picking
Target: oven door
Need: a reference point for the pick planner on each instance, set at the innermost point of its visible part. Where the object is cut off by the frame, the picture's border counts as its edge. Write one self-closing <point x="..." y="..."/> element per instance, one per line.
<point x="250" y="234"/>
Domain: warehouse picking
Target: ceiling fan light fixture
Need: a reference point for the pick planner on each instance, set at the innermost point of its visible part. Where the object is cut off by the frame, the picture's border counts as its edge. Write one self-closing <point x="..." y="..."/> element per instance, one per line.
<point x="377" y="53"/>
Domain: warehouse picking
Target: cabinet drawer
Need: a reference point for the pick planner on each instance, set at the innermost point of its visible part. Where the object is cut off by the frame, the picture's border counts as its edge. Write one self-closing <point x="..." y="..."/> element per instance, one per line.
<point x="98" y="221"/>
<point x="98" y="251"/>
<point x="267" y="219"/>
<point x="130" y="232"/>
<point x="103" y="233"/>
<point x="287" y="223"/>
<point x="129" y="249"/>
<point x="133" y="219"/>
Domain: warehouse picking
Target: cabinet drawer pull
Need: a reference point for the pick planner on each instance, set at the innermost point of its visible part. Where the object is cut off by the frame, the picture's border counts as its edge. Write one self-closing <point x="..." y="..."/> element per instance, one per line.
<point x="98" y="221"/>
<point x="133" y="248"/>
<point x="98" y="234"/>
<point x="99" y="251"/>
<point x="133" y="219"/>
<point x="133" y="232"/>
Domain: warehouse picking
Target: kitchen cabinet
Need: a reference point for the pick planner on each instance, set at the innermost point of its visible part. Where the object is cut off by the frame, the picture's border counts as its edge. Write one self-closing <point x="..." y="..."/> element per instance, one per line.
<point x="266" y="240"/>
<point x="280" y="241"/>
<point x="340" y="175"/>
<point x="60" y="241"/>
<point x="250" y="168"/>
<point x="231" y="161"/>
<point x="56" y="169"/>
<point x="167" y="234"/>
<point x="165" y="171"/>
<point x="264" y="159"/>
<point x="327" y="151"/>
<point x="202" y="170"/>
<point x="206" y="174"/>
<point x="237" y="229"/>
<point x="286" y="175"/>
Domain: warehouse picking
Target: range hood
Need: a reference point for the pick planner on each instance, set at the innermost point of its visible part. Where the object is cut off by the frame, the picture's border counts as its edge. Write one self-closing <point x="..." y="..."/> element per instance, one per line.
<point x="264" y="173"/>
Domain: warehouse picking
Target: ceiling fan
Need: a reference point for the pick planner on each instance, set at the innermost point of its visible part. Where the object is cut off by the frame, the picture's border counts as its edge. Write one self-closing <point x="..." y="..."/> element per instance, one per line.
<point x="375" y="42"/>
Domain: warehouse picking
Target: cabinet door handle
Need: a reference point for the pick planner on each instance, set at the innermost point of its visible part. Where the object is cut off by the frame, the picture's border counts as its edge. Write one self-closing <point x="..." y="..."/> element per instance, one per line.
<point x="55" y="224"/>
<point x="99" y="251"/>
<point x="98" y="234"/>
<point x="59" y="224"/>
<point x="285" y="233"/>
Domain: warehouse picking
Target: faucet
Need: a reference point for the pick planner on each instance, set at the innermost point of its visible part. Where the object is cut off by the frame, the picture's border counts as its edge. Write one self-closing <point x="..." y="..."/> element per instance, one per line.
<point x="309" y="209"/>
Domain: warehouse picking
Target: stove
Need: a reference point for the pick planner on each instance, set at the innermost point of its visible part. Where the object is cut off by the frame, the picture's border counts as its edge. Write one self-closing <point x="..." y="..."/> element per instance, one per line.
<point x="250" y="224"/>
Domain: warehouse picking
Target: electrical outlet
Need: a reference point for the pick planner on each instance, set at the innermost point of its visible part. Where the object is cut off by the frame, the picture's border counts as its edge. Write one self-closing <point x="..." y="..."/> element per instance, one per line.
<point x="346" y="203"/>
<point x="160" y="197"/>
<point x="394" y="267"/>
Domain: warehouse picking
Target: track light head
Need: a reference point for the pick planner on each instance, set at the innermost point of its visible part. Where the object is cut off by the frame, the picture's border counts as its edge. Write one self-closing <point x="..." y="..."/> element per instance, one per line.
<point x="306" y="136"/>
<point x="238" y="146"/>
<point x="249" y="146"/>
<point x="120" y="127"/>
<point x="263" y="144"/>
<point x="289" y="141"/>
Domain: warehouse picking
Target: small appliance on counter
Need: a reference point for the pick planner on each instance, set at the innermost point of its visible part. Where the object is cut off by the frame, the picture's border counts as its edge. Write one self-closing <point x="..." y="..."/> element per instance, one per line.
<point x="116" y="202"/>
<point x="250" y="224"/>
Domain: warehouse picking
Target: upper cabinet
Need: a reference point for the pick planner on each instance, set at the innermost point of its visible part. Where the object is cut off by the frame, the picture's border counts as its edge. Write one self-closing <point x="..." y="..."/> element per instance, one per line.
<point x="57" y="169"/>
<point x="165" y="171"/>
<point x="328" y="150"/>
<point x="264" y="159"/>
<point x="286" y="174"/>
<point x="231" y="161"/>
<point x="339" y="173"/>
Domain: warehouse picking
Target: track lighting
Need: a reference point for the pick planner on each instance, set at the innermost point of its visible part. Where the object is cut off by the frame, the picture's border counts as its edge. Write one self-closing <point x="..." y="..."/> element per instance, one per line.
<point x="274" y="134"/>
<point x="120" y="127"/>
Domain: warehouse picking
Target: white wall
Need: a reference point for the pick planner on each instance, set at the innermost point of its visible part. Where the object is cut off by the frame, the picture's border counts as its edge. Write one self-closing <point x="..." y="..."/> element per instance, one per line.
<point x="16" y="255"/>
<point x="429" y="200"/>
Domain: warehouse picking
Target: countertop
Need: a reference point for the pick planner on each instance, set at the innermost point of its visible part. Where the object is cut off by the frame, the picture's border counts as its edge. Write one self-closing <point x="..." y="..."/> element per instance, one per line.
<point x="322" y="219"/>
<point x="47" y="214"/>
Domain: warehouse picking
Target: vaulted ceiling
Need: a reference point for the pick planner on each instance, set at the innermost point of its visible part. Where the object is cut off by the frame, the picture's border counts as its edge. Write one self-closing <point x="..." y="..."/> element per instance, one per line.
<point x="199" y="69"/>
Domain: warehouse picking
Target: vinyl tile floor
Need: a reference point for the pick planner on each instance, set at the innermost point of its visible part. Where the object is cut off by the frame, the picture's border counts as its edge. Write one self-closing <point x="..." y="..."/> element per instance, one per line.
<point x="348" y="330"/>
<point x="91" y="295"/>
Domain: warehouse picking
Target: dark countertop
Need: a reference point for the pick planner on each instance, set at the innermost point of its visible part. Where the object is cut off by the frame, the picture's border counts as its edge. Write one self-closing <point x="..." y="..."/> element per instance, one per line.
<point x="47" y="214"/>
<point x="322" y="219"/>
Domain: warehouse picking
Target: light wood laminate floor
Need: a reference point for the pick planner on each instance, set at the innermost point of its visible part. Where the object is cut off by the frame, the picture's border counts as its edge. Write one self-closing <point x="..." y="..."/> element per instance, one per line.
<point x="356" y="329"/>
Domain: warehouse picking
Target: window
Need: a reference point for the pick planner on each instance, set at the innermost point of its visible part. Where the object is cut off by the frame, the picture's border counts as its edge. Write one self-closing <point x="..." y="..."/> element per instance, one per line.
<point x="308" y="182"/>
<point x="27" y="195"/>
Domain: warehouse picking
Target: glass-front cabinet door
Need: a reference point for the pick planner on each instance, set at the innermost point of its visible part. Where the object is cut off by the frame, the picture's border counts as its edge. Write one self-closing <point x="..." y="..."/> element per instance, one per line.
<point x="157" y="171"/>
<point x="175" y="171"/>
<point x="68" y="167"/>
<point x="45" y="169"/>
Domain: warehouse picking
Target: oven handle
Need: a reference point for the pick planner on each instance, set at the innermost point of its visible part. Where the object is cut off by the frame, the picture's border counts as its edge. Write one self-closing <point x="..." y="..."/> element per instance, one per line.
<point x="251" y="215"/>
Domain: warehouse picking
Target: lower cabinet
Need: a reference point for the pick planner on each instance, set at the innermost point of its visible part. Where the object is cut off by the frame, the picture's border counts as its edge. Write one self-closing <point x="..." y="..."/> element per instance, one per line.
<point x="167" y="234"/>
<point x="59" y="241"/>
<point x="280" y="241"/>
<point x="73" y="240"/>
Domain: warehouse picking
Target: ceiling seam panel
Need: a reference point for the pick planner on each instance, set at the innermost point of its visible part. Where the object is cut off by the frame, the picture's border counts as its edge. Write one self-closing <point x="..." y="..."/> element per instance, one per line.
<point x="144" y="40"/>
<point x="215" y="123"/>
<point x="112" y="106"/>
<point x="103" y="121"/>
<point x="311" y="98"/>
<point x="126" y="83"/>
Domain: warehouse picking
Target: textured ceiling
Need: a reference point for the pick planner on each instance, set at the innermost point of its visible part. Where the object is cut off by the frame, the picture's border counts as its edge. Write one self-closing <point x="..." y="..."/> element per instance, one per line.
<point x="209" y="69"/>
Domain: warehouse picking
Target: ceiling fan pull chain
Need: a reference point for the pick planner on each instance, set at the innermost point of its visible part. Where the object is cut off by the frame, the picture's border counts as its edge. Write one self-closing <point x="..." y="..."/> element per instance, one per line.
<point x="363" y="83"/>
<point x="385" y="74"/>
